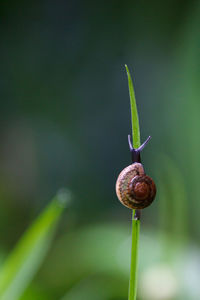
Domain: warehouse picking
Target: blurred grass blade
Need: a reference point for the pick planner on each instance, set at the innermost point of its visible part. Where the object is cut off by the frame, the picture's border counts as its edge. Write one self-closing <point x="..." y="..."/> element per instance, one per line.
<point x="25" y="259"/>
<point x="89" y="290"/>
<point x="135" y="223"/>
<point x="134" y="113"/>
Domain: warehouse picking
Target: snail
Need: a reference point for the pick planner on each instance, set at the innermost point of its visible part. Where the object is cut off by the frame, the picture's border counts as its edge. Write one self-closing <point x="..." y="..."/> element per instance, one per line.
<point x="134" y="188"/>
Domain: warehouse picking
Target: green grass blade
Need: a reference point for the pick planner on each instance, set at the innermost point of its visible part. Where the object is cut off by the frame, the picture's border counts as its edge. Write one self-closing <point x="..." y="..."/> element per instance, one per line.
<point x="134" y="259"/>
<point x="134" y="113"/>
<point x="25" y="259"/>
<point x="135" y="223"/>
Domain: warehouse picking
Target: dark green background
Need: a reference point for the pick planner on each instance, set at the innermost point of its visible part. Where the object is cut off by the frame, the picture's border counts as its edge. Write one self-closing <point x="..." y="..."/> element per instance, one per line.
<point x="65" y="115"/>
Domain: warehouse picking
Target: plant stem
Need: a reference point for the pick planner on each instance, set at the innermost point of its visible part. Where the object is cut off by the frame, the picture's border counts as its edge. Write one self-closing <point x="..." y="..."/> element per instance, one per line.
<point x="135" y="222"/>
<point x="134" y="113"/>
<point x="134" y="258"/>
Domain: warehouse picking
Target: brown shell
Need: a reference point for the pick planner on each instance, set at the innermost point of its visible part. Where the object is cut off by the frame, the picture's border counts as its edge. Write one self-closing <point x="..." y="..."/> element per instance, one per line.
<point x="134" y="189"/>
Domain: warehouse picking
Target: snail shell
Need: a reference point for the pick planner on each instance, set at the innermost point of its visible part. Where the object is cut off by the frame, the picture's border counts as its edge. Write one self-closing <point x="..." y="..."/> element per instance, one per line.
<point x="134" y="188"/>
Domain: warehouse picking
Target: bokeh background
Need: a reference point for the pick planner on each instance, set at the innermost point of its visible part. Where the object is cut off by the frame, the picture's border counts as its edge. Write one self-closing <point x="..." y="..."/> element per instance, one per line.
<point x="65" y="118"/>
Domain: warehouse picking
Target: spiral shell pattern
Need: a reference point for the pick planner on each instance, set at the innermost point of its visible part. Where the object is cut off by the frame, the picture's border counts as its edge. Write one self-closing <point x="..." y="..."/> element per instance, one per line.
<point x="134" y="188"/>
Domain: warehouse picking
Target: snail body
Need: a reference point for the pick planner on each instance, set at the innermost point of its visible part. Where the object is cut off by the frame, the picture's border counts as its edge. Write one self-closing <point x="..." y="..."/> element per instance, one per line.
<point x="134" y="188"/>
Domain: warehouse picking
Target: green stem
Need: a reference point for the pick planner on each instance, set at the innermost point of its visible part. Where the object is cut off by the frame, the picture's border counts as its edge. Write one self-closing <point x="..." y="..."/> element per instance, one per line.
<point x="134" y="113"/>
<point x="135" y="223"/>
<point x="134" y="258"/>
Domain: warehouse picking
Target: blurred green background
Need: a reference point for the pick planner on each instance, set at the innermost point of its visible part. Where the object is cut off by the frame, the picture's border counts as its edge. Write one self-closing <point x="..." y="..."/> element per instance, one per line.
<point x="65" y="118"/>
